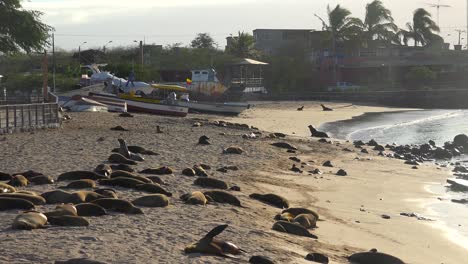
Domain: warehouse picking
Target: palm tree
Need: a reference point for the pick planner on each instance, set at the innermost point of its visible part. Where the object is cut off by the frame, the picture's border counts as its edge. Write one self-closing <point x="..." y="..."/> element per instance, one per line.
<point x="421" y="30"/>
<point x="340" y="23"/>
<point x="378" y="23"/>
<point x="242" y="46"/>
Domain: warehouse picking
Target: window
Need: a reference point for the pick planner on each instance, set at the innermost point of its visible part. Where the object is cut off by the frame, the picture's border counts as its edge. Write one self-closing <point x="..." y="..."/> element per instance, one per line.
<point x="204" y="72"/>
<point x="197" y="72"/>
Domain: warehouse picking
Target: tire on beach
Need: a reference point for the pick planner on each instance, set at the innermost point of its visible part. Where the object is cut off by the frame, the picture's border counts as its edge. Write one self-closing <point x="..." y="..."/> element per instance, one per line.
<point x="271" y="199"/>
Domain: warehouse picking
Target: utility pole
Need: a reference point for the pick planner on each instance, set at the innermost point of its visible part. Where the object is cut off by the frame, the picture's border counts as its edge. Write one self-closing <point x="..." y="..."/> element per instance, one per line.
<point x="45" y="77"/>
<point x="460" y="31"/>
<point x="53" y="63"/>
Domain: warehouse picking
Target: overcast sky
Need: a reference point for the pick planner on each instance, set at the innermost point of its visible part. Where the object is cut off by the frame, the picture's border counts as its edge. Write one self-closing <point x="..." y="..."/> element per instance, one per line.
<point x="171" y="21"/>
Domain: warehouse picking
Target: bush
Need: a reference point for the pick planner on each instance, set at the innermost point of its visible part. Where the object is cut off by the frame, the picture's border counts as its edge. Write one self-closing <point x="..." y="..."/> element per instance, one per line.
<point x="420" y="76"/>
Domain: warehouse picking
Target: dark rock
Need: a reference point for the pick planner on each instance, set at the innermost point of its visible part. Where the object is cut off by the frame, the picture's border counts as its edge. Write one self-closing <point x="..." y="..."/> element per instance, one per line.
<point x="279" y="135"/>
<point x="415" y="167"/>
<point x="316" y="172"/>
<point x="365" y="151"/>
<point x="119" y="128"/>
<point x="460" y="169"/>
<point x="372" y="143"/>
<point x="412" y="162"/>
<point x="347" y="150"/>
<point x="317" y="257"/>
<point x="327" y="164"/>
<point x="432" y="143"/>
<point x="284" y="145"/>
<point x="296" y="169"/>
<point x="235" y="188"/>
<point x="260" y="260"/>
<point x="461" y="141"/>
<point x="126" y="115"/>
<point x="386" y="216"/>
<point x="204" y="140"/>
<point x="342" y="173"/>
<point x="323" y="140"/>
<point x="441" y="153"/>
<point x="359" y="143"/>
<point x="291" y="151"/>
<point x="295" y="159"/>
<point x="379" y="148"/>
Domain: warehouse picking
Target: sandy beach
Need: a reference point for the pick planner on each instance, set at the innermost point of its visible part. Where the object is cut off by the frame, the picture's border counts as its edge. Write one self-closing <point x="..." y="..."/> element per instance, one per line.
<point x="350" y="207"/>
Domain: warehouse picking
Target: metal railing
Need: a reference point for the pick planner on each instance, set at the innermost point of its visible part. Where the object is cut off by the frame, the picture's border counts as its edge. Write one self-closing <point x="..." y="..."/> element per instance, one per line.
<point x="25" y="117"/>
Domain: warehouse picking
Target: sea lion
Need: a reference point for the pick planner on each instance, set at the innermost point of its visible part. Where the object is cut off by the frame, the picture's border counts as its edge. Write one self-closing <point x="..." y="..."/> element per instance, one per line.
<point x="80" y="175"/>
<point x="284" y="145"/>
<point x="107" y="192"/>
<point x="64" y="209"/>
<point x="57" y="197"/>
<point x="209" y="245"/>
<point x="67" y="220"/>
<point x="29" y="174"/>
<point x="271" y="199"/>
<point x="18" y="181"/>
<point x="154" y="200"/>
<point x="138" y="150"/>
<point x="81" y="184"/>
<point x="126" y="174"/>
<point x="233" y="150"/>
<point x="103" y="169"/>
<point x="7" y="203"/>
<point x="118" y="205"/>
<point x="292" y="228"/>
<point x="152" y="188"/>
<point x="121" y="182"/>
<point x="195" y="198"/>
<point x="374" y="257"/>
<point x="41" y="180"/>
<point x="36" y="200"/>
<point x="156" y="179"/>
<point x="189" y="172"/>
<point x="122" y="167"/>
<point x="29" y="220"/>
<point x="297" y="211"/>
<point x="300" y="108"/>
<point x="284" y="217"/>
<point x="89" y="209"/>
<point x="200" y="171"/>
<point x="119" y="159"/>
<point x="85" y="197"/>
<point x="222" y="197"/>
<point x="119" y="128"/>
<point x="324" y="108"/>
<point x="79" y="261"/>
<point x="261" y="260"/>
<point x="306" y="220"/>
<point x="158" y="171"/>
<point x="28" y="192"/>
<point x="204" y="140"/>
<point x="5" y="176"/>
<point x="211" y="182"/>
<point x="6" y="188"/>
<point x="315" y="133"/>
<point x="123" y="150"/>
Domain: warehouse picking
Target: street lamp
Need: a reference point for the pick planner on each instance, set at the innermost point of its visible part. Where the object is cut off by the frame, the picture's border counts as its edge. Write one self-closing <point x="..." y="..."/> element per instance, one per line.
<point x="104" y="49"/>
<point x="79" y="51"/>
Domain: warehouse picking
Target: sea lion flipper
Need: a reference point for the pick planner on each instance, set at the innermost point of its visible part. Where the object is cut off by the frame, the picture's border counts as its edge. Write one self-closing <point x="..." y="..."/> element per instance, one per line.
<point x="216" y="231"/>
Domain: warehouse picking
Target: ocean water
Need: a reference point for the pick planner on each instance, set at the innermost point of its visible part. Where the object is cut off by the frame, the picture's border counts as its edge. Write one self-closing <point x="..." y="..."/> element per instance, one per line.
<point x="417" y="127"/>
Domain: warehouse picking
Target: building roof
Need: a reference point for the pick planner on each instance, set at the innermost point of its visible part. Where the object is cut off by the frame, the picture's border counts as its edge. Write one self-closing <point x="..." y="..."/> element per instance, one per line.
<point x="246" y="61"/>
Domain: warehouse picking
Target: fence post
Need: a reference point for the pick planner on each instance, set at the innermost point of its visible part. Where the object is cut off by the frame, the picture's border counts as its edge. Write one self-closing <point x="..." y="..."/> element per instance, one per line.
<point x="43" y="115"/>
<point x="29" y="115"/>
<point x="22" y="116"/>
<point x="7" y="118"/>
<point x="14" y="118"/>
<point x="37" y="118"/>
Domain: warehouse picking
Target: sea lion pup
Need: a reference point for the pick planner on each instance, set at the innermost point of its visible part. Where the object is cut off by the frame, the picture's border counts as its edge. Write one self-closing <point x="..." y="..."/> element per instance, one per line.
<point x="118" y="205"/>
<point x="300" y="108"/>
<point x="261" y="260"/>
<point x="222" y="197"/>
<point x="85" y="197"/>
<point x="122" y="167"/>
<point x="306" y="220"/>
<point x="80" y="184"/>
<point x="123" y="150"/>
<point x="284" y="217"/>
<point x="6" y="188"/>
<point x="156" y="179"/>
<point x="107" y="192"/>
<point x="80" y="261"/>
<point x="374" y="257"/>
<point x="233" y="150"/>
<point x="41" y="180"/>
<point x="121" y="182"/>
<point x="154" y="200"/>
<point x="152" y="188"/>
<point x="204" y="140"/>
<point x="315" y="133"/>
<point x="158" y="171"/>
<point x="292" y="228"/>
<point x="209" y="245"/>
<point x="89" y="209"/>
<point x="57" y="197"/>
<point x="195" y="198"/>
<point x="103" y="169"/>
<point x="138" y="150"/>
<point x="189" y="172"/>
<point x="64" y="209"/>
<point x="295" y="211"/>
<point x="7" y="203"/>
<point x="271" y="199"/>
<point x="126" y="174"/>
<point x="200" y="171"/>
<point x="5" y="176"/>
<point x="68" y="220"/>
<point x="36" y="200"/>
<point x="29" y="220"/>
<point x="324" y="108"/>
<point x="18" y="181"/>
<point x="119" y="159"/>
<point x="211" y="182"/>
<point x="80" y="175"/>
<point x="284" y="145"/>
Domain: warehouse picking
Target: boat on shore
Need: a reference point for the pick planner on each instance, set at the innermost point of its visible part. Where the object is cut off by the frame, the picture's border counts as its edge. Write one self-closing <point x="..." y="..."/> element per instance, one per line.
<point x="135" y="104"/>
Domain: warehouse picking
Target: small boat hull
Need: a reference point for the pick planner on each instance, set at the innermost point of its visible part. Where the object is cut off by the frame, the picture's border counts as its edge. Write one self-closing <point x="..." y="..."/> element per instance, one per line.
<point x="216" y="108"/>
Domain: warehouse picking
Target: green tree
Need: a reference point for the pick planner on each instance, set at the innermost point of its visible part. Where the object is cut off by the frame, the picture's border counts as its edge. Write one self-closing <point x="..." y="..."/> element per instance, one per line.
<point x="422" y="30"/>
<point x="203" y="41"/>
<point x="21" y="29"/>
<point x="378" y="23"/>
<point x="242" y="46"/>
<point x="420" y="76"/>
<point x="342" y="26"/>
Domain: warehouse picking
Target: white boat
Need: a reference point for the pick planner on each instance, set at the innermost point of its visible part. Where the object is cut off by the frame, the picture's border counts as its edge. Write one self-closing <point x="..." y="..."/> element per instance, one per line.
<point x="143" y="105"/>
<point x="81" y="104"/>
<point x="215" y="108"/>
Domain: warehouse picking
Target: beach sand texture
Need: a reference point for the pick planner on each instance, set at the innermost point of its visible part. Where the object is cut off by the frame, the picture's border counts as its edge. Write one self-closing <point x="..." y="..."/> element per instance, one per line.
<point x="379" y="186"/>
